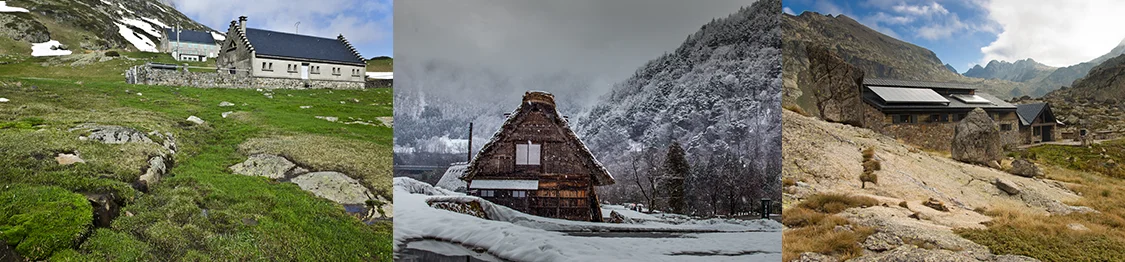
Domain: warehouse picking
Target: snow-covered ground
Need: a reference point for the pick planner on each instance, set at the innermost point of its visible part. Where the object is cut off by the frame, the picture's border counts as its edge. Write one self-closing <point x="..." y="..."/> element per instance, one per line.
<point x="511" y="235"/>
<point x="381" y="75"/>
<point x="4" y="8"/>
<point x="141" y="42"/>
<point x="44" y="49"/>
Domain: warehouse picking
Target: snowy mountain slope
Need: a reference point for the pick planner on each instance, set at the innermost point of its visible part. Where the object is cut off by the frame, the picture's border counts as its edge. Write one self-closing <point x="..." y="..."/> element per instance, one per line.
<point x="93" y="24"/>
<point x="719" y="93"/>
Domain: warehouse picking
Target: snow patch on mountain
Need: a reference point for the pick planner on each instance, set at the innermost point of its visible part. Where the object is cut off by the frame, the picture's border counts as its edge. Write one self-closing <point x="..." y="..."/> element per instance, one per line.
<point x="45" y="49"/>
<point x="142" y="25"/>
<point x="156" y="22"/>
<point x="4" y="8"/>
<point x="139" y="41"/>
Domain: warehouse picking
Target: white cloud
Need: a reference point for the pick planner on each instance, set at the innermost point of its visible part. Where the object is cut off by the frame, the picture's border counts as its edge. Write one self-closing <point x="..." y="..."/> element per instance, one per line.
<point x="921" y="10"/>
<point x="787" y="10"/>
<point x="361" y="21"/>
<point x="827" y="7"/>
<point x="942" y="29"/>
<point x="892" y="19"/>
<point x="1055" y="33"/>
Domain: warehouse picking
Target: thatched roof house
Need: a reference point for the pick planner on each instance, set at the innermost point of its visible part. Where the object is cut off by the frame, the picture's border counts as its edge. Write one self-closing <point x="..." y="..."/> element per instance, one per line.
<point x="537" y="165"/>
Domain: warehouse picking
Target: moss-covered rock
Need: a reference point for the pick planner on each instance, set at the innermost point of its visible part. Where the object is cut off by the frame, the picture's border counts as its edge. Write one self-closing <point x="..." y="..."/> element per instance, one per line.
<point x="40" y="220"/>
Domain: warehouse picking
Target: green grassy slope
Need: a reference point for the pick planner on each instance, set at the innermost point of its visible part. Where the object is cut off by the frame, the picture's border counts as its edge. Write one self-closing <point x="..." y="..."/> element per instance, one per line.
<point x="200" y="211"/>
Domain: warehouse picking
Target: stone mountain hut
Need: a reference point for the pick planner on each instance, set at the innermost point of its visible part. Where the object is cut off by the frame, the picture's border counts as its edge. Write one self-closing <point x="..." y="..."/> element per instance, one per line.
<point x="537" y="165"/>
<point x="291" y="59"/>
<point x="189" y="45"/>
<point x="925" y="113"/>
<point x="1038" y="123"/>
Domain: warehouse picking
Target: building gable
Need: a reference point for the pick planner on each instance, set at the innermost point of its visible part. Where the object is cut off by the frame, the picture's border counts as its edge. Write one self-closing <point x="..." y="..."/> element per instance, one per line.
<point x="536" y="122"/>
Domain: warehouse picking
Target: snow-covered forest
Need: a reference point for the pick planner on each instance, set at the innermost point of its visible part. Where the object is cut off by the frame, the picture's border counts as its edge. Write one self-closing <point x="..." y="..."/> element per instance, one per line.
<point x="719" y="95"/>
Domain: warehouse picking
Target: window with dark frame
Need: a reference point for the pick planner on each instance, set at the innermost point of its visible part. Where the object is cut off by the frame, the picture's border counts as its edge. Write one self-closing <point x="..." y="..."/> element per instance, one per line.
<point x="1005" y="127"/>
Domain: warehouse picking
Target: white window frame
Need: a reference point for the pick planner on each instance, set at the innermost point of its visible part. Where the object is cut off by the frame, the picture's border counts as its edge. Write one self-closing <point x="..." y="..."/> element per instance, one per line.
<point x="529" y="154"/>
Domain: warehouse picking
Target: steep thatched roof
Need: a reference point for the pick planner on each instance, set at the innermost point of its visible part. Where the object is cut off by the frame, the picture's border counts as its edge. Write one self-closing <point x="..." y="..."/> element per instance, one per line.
<point x="600" y="176"/>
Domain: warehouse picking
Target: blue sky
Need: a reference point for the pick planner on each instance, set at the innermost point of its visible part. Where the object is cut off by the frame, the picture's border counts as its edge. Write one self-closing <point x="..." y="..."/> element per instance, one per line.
<point x="964" y="33"/>
<point x="368" y="24"/>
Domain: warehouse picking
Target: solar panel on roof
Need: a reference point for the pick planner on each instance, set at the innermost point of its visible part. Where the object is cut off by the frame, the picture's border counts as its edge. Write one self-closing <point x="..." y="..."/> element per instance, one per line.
<point x="907" y="95"/>
<point x="972" y="99"/>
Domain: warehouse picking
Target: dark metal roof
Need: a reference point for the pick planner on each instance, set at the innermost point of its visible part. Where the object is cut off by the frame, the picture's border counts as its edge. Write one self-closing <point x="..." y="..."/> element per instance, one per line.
<point x="190" y="36"/>
<point x="915" y="84"/>
<point x="954" y="104"/>
<point x="288" y="45"/>
<point x="1028" y="112"/>
<point x="908" y="95"/>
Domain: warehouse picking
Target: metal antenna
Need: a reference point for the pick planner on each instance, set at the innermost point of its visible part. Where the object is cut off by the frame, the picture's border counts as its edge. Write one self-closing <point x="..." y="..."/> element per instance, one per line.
<point x="297" y="27"/>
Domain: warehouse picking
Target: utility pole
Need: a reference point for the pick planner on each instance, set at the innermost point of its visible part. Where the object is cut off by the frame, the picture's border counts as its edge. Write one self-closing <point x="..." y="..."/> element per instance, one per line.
<point x="470" y="143"/>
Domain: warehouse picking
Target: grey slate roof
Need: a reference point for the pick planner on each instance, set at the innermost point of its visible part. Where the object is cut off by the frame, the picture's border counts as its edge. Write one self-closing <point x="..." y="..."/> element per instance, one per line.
<point x="911" y="83"/>
<point x="286" y="45"/>
<point x="190" y="36"/>
<point x="1028" y="112"/>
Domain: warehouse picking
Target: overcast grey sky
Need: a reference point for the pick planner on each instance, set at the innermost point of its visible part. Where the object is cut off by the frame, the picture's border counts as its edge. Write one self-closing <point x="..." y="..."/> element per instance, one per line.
<point x="604" y="42"/>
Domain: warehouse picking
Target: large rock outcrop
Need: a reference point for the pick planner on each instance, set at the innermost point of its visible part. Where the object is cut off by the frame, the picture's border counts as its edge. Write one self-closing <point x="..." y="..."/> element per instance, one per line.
<point x="976" y="139"/>
<point x="1024" y="168"/>
<point x="837" y="86"/>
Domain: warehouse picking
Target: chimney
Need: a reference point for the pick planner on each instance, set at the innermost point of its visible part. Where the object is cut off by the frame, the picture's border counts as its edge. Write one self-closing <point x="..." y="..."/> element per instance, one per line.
<point x="539" y="97"/>
<point x="242" y="23"/>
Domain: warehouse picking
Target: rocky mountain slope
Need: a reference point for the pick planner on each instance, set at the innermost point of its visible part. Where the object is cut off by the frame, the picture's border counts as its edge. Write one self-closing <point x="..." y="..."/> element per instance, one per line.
<point x="1021" y="71"/>
<point x="876" y="54"/>
<point x="1040" y="79"/>
<point x="718" y="93"/>
<point x="89" y="24"/>
<point x="1094" y="101"/>
<point x="822" y="157"/>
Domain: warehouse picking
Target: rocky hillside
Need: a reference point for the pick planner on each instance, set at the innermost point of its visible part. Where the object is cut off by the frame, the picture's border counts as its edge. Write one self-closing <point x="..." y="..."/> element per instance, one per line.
<point x="921" y="198"/>
<point x="718" y="93"/>
<point x="1021" y="71"/>
<point x="878" y="55"/>
<point x="89" y="24"/>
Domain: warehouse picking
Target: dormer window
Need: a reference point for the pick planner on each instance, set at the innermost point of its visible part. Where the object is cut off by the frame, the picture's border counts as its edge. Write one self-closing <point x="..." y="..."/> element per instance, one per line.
<point x="528" y="154"/>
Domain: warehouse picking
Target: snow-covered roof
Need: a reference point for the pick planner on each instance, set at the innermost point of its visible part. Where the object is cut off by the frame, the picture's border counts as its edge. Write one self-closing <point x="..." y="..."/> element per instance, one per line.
<point x="452" y="178"/>
<point x="505" y="184"/>
<point x="601" y="176"/>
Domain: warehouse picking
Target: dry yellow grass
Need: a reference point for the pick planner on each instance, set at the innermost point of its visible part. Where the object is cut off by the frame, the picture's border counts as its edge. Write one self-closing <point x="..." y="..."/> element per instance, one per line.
<point x="813" y="227"/>
<point x="1052" y="238"/>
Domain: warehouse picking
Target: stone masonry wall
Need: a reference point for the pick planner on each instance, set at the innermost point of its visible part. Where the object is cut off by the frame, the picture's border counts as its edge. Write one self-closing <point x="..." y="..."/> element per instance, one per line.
<point x="148" y="76"/>
<point x="933" y="136"/>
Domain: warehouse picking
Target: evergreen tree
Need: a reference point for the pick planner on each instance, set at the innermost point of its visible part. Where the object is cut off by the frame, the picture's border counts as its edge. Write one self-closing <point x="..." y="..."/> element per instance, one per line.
<point x="676" y="169"/>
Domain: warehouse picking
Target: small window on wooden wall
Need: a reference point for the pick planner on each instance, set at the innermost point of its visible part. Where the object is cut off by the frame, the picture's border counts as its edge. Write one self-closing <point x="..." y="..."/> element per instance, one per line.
<point x="528" y="154"/>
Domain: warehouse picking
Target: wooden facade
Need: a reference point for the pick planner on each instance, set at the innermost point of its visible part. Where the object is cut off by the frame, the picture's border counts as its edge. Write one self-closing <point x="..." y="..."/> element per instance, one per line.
<point x="537" y="165"/>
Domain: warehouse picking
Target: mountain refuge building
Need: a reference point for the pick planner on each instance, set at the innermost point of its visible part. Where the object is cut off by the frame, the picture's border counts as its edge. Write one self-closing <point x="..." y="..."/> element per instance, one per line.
<point x="925" y="113"/>
<point x="189" y="45"/>
<point x="537" y="165"/>
<point x="285" y="59"/>
<point x="1038" y="123"/>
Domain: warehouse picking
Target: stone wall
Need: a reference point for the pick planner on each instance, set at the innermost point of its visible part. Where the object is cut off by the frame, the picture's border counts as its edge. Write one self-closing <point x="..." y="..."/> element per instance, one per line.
<point x="378" y="83"/>
<point x="145" y="75"/>
<point x="933" y="136"/>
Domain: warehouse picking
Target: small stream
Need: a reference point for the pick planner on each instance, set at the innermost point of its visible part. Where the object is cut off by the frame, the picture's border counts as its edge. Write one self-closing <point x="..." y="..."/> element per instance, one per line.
<point x="440" y="251"/>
